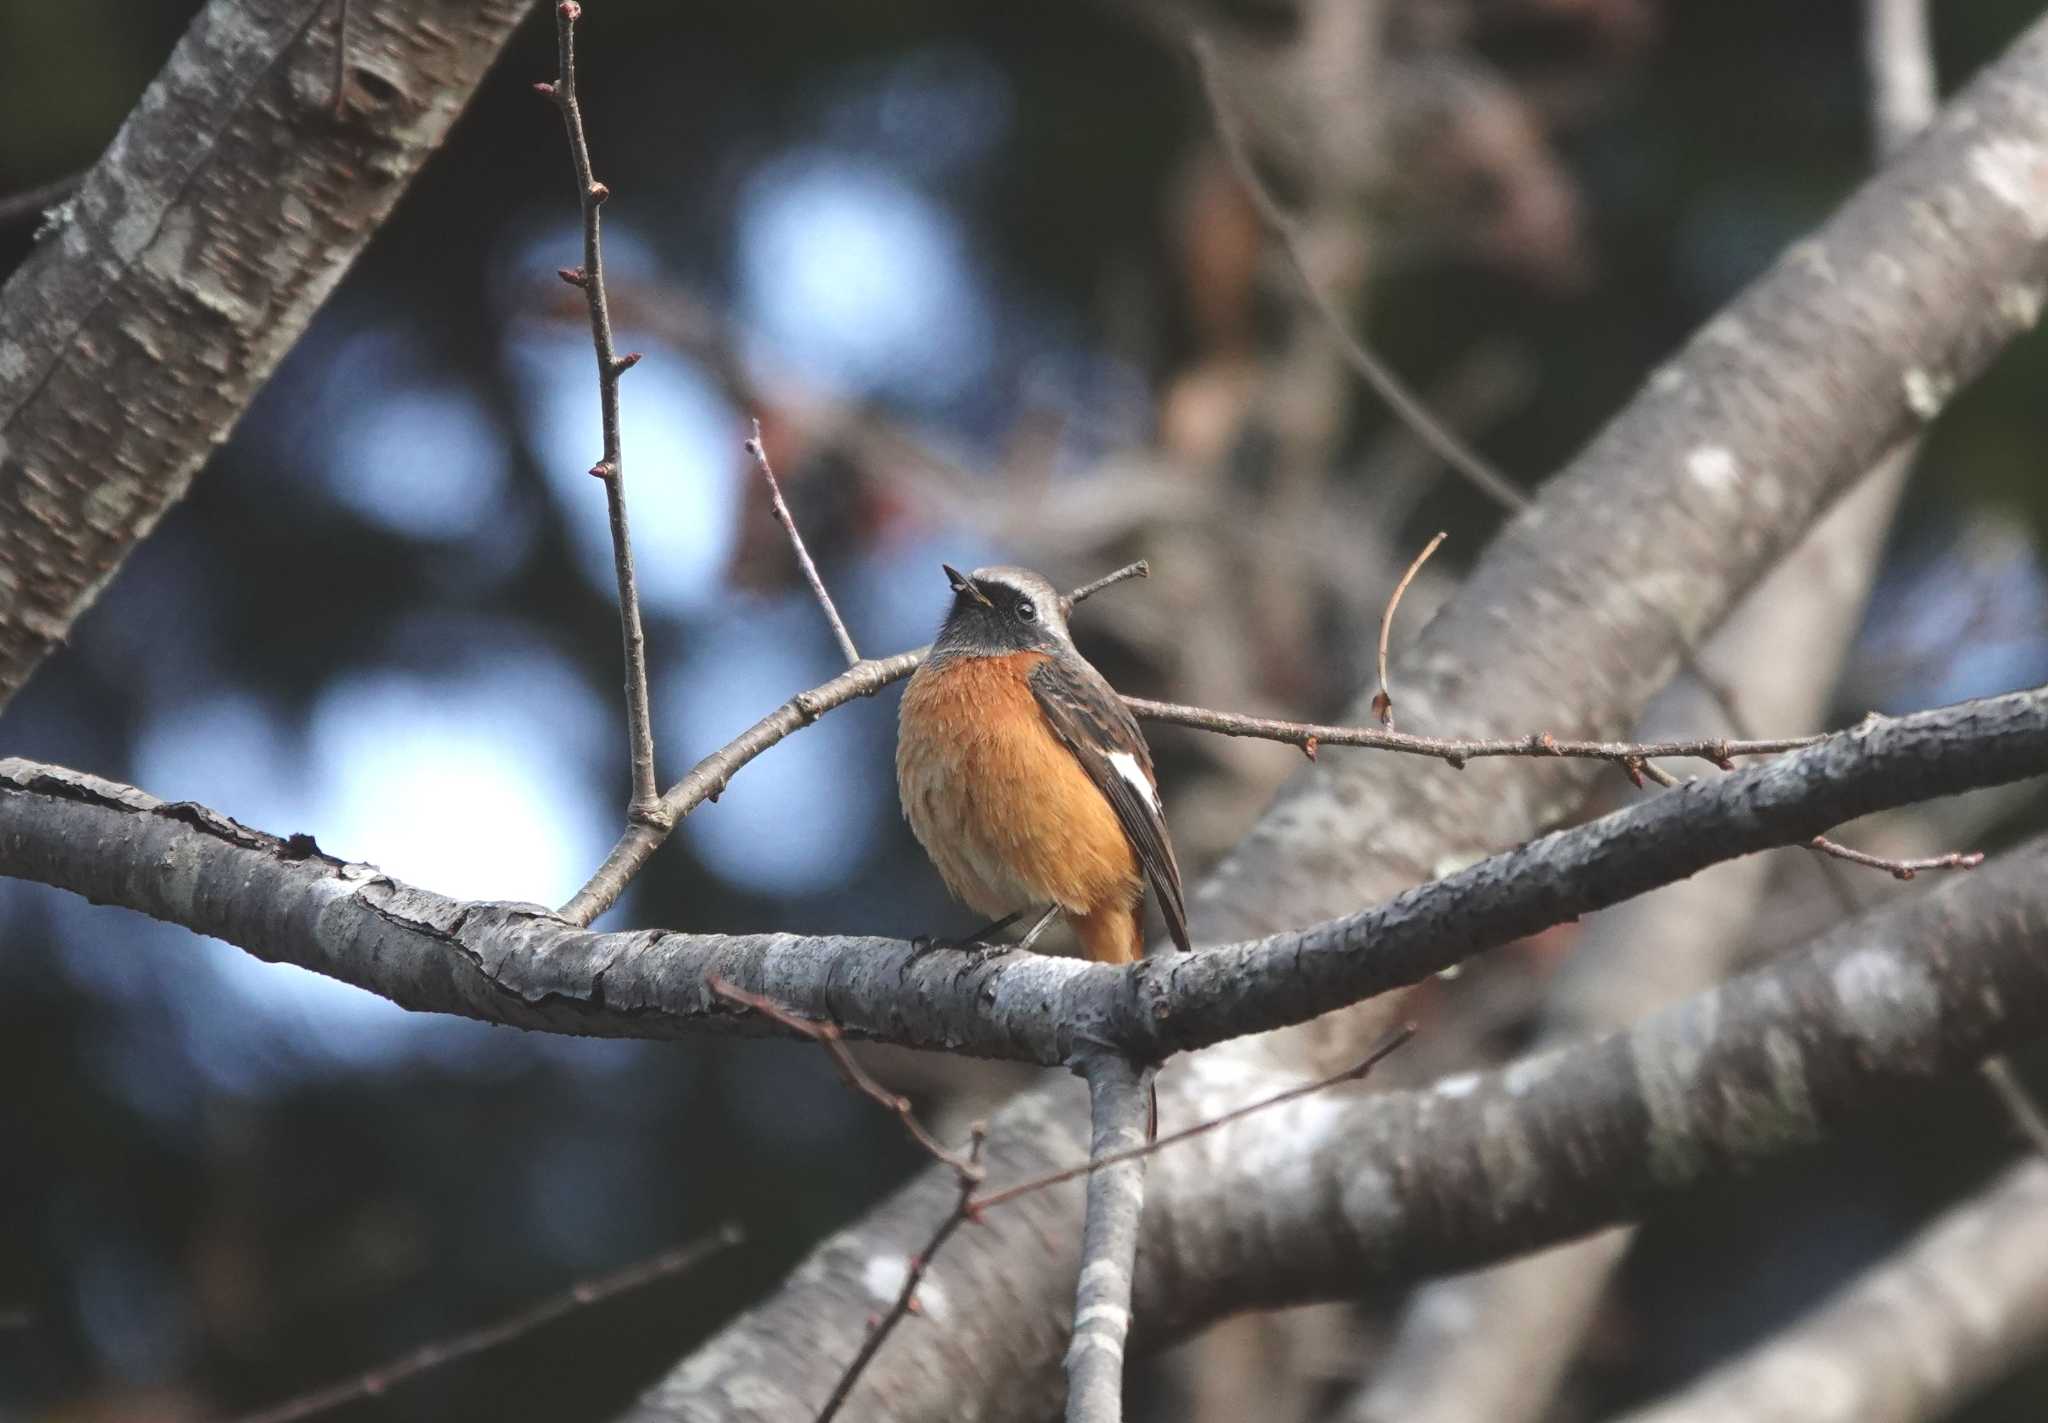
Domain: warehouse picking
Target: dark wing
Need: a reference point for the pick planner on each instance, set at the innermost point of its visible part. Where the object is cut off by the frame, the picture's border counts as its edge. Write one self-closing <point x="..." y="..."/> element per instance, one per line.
<point x="1092" y="721"/>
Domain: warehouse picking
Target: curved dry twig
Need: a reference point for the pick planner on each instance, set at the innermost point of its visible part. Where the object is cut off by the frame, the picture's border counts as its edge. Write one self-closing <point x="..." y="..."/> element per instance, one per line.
<point x="1383" y="700"/>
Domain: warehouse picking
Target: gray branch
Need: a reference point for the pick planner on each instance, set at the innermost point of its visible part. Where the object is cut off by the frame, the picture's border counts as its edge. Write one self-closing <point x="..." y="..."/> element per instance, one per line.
<point x="1312" y="1200"/>
<point x="1119" y="1097"/>
<point x="1644" y="543"/>
<point x="227" y="207"/>
<point x="1962" y="1304"/>
<point x="1491" y="1346"/>
<point x="1640" y="546"/>
<point x="521" y="965"/>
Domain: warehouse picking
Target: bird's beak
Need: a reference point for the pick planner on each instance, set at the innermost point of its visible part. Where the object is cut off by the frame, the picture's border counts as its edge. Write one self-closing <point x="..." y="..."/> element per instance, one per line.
<point x="961" y="584"/>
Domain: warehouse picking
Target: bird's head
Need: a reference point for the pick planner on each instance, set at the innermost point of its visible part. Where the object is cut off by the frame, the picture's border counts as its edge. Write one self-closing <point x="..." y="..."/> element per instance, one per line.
<point x="1002" y="610"/>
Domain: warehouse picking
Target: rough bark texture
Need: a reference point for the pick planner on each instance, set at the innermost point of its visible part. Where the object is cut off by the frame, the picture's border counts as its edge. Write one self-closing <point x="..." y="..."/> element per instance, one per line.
<point x="1491" y="1346"/>
<point x="1965" y="1302"/>
<point x="518" y="964"/>
<point x="225" y="210"/>
<point x="1316" y="1198"/>
<point x="1682" y="503"/>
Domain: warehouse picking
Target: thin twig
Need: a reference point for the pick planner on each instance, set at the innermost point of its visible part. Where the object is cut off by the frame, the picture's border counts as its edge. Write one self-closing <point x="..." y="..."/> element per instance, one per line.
<point x="1388" y="1043"/>
<point x="378" y="1381"/>
<point x="711" y="775"/>
<point x="1119" y="1098"/>
<point x="1455" y="751"/>
<point x="2019" y="1102"/>
<point x="913" y="1275"/>
<point x="1897" y="869"/>
<point x="829" y="1036"/>
<point x="31" y="203"/>
<point x="1383" y="700"/>
<point x="759" y="450"/>
<point x="1140" y="569"/>
<point x="1407" y="406"/>
<point x="1096" y="1307"/>
<point x="610" y="366"/>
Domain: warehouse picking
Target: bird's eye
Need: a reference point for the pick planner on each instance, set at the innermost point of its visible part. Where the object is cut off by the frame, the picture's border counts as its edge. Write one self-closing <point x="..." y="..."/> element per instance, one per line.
<point x="1027" y="611"/>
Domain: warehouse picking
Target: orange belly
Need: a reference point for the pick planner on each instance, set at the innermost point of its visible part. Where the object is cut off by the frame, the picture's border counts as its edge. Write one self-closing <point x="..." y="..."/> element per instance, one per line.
<point x="1004" y="810"/>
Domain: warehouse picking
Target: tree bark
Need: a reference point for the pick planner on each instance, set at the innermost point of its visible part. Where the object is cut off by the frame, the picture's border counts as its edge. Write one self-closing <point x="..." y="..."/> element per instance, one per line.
<point x="225" y="210"/>
<point x="1963" y="1303"/>
<point x="1491" y="1347"/>
<point x="1674" y="510"/>
<point x="1317" y="1198"/>
<point x="282" y="899"/>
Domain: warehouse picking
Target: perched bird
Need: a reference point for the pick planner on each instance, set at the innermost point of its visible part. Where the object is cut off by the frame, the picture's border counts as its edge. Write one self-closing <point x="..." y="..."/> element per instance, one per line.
<point x="1025" y="778"/>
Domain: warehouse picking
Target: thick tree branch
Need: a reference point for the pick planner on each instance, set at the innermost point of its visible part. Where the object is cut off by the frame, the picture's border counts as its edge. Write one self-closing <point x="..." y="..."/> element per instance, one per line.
<point x="520" y="965"/>
<point x="1639" y="548"/>
<point x="1491" y="1346"/>
<point x="1962" y="1304"/>
<point x="200" y="246"/>
<point x="1573" y="1139"/>
<point x="1311" y="1199"/>
<point x="1119" y="1097"/>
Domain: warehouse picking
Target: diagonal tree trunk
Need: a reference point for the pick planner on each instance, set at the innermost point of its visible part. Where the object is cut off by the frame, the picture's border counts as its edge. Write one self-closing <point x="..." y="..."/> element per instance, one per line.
<point x="1683" y="502"/>
<point x="227" y="207"/>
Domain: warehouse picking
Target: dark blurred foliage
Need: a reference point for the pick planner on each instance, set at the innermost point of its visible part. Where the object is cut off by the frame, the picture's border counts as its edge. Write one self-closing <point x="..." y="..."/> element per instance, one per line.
<point x="385" y="616"/>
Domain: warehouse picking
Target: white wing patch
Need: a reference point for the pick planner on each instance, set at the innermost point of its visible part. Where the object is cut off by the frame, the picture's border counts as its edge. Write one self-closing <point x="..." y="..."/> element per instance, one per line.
<point x="1127" y="766"/>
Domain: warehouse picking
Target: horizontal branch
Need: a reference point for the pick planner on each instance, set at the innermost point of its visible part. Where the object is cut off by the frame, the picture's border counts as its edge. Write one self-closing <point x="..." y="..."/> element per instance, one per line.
<point x="521" y="965"/>
<point x="1455" y="751"/>
<point x="1636" y="549"/>
<point x="1311" y="1200"/>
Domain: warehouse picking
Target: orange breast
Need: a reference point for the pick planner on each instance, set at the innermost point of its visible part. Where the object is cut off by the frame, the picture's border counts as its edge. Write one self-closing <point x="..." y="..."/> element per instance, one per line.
<point x="1004" y="810"/>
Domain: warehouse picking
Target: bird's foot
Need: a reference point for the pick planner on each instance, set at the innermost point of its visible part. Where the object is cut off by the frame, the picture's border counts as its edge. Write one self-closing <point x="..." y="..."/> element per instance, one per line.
<point x="981" y="945"/>
<point x="978" y="950"/>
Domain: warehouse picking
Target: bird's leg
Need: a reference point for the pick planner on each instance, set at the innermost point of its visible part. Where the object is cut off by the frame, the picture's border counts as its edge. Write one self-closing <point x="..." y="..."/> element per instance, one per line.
<point x="1031" y="934"/>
